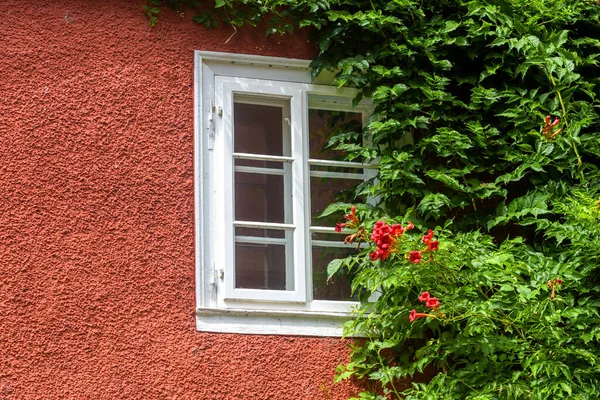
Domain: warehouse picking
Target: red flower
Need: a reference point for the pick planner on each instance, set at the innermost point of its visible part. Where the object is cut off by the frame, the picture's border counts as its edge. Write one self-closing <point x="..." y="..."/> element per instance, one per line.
<point x="548" y="129"/>
<point x="385" y="236"/>
<point x="433" y="245"/>
<point x="432" y="302"/>
<point x="409" y="226"/>
<point x="415" y="257"/>
<point x="397" y="230"/>
<point x="379" y="254"/>
<point x="424" y="297"/>
<point x="352" y="216"/>
<point x="552" y="285"/>
<point x="427" y="237"/>
<point x="352" y="219"/>
<point x="415" y="315"/>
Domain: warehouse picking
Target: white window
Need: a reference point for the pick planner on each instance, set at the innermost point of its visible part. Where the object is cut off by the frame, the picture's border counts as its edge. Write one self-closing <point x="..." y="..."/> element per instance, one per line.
<point x="262" y="174"/>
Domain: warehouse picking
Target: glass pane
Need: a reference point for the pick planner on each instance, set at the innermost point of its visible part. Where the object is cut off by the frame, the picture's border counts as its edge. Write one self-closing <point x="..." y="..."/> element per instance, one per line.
<point x="259" y="197"/>
<point x="259" y="129"/>
<point x="329" y="184"/>
<point x="323" y="124"/>
<point x="324" y="191"/>
<point x="260" y="259"/>
<point x="337" y="288"/>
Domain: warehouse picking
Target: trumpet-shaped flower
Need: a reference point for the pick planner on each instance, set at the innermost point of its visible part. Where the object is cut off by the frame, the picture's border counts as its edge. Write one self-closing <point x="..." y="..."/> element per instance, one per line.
<point x="415" y="257"/>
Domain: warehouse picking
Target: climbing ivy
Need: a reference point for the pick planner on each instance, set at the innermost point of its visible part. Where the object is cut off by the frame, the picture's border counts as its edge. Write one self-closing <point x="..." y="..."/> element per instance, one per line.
<point x="486" y="130"/>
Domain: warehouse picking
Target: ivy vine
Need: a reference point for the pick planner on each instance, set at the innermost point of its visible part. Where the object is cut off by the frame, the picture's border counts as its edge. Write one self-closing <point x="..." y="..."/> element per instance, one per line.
<point x="487" y="131"/>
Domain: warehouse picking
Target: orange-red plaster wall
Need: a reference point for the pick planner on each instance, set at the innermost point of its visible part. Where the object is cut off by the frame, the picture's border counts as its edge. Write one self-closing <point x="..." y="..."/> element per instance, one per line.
<point x="97" y="215"/>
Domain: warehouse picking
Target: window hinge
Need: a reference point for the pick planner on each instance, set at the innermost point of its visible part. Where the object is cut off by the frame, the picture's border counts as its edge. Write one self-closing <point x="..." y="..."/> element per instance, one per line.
<point x="213" y="276"/>
<point x="220" y="113"/>
<point x="216" y="275"/>
<point x="211" y="126"/>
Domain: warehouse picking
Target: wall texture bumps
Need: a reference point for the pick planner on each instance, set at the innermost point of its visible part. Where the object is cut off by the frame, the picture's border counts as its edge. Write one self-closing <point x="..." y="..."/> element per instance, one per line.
<point x="97" y="215"/>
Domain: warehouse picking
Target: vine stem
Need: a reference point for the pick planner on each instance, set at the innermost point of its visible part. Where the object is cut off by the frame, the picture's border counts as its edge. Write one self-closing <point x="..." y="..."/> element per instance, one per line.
<point x="564" y="111"/>
<point x="390" y="378"/>
<point x="230" y="24"/>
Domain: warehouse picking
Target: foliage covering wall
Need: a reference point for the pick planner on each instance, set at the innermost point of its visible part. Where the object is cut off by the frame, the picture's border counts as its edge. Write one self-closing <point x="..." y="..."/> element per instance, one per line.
<point x="486" y="129"/>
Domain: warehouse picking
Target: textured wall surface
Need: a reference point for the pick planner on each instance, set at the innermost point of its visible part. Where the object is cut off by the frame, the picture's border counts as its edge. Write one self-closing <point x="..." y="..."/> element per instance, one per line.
<point x="97" y="210"/>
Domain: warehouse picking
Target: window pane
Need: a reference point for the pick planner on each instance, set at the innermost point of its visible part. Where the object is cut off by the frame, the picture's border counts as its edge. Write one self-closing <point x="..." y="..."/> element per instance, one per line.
<point x="337" y="288"/>
<point x="329" y="184"/>
<point x="263" y="257"/>
<point x="324" y="124"/>
<point x="259" y="197"/>
<point x="260" y="259"/>
<point x="259" y="128"/>
<point x="324" y="191"/>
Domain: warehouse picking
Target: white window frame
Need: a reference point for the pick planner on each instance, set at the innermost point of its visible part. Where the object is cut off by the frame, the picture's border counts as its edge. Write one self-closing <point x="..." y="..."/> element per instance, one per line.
<point x="220" y="307"/>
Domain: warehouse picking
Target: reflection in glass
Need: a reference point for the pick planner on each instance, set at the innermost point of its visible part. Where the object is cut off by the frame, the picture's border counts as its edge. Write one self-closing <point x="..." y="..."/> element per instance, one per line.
<point x="263" y="257"/>
<point x="324" y="191"/>
<point x="329" y="184"/>
<point x="260" y="266"/>
<point x="260" y="259"/>
<point x="258" y="128"/>
<point x="259" y="197"/>
<point x="324" y="124"/>
<point x="336" y="288"/>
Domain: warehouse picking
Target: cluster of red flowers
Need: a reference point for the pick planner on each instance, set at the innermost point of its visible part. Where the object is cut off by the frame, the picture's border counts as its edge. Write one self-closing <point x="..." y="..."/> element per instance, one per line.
<point x="352" y="221"/>
<point x="416" y="256"/>
<point x="428" y="240"/>
<point x="548" y="129"/>
<point x="385" y="237"/>
<point x="552" y="284"/>
<point x="430" y="302"/>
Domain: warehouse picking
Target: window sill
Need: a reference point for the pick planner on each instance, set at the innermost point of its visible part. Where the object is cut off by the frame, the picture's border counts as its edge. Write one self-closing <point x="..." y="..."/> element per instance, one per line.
<point x="271" y="322"/>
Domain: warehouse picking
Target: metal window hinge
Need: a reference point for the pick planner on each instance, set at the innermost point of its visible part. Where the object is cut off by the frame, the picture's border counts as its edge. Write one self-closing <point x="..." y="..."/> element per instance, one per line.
<point x="211" y="126"/>
<point x="216" y="274"/>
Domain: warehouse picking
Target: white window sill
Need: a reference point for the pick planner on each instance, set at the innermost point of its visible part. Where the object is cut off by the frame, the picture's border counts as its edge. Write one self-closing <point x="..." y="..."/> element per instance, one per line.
<point x="271" y="322"/>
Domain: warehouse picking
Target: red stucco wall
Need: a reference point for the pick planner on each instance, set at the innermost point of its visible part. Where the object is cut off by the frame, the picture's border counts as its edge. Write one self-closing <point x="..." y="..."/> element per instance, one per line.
<point x="97" y="215"/>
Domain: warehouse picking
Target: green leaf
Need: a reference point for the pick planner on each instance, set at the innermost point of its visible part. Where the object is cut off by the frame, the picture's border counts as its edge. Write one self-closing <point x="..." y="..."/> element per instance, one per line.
<point x="334" y="266"/>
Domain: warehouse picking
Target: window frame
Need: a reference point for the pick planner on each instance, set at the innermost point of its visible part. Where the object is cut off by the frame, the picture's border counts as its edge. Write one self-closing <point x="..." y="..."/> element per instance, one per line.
<point x="218" y="308"/>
